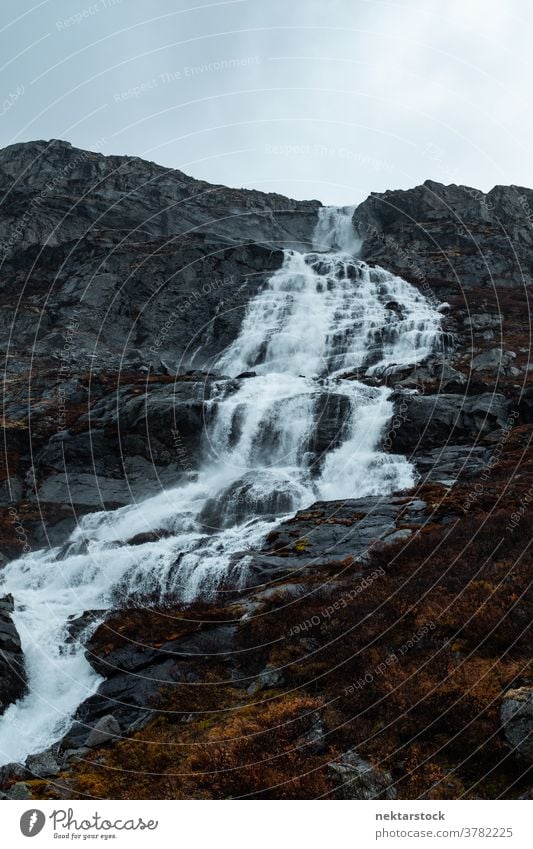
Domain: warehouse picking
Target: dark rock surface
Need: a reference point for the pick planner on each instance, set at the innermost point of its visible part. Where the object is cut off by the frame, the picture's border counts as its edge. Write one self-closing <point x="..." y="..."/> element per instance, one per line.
<point x="12" y="673"/>
<point x="328" y="532"/>
<point x="436" y="420"/>
<point x="123" y="261"/>
<point x="453" y="234"/>
<point x="451" y="463"/>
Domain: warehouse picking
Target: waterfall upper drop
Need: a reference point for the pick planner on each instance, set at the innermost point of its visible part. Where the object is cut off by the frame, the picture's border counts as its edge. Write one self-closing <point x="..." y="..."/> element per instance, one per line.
<point x="305" y="427"/>
<point x="335" y="230"/>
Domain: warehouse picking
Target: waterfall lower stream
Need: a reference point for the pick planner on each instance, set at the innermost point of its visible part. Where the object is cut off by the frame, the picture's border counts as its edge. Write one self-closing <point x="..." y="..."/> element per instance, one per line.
<point x="321" y="321"/>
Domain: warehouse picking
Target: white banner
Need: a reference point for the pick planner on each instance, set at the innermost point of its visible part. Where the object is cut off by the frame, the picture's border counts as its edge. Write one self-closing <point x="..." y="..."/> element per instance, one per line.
<point x="266" y="824"/>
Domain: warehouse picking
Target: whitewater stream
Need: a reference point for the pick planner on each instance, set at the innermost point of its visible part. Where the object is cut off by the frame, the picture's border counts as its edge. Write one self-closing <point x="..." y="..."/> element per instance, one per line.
<point x="321" y="316"/>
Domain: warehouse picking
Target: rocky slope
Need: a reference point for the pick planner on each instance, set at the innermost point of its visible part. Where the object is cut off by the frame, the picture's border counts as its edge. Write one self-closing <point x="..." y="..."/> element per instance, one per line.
<point x="391" y="630"/>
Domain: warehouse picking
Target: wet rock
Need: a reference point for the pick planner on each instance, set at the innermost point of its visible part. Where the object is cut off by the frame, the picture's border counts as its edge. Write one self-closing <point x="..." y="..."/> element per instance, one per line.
<point x="259" y="493"/>
<point x="146" y="441"/>
<point x="517" y="721"/>
<point x="133" y="696"/>
<point x="356" y="778"/>
<point x="78" y="625"/>
<point x="332" y="415"/>
<point x="12" y="672"/>
<point x="75" y="738"/>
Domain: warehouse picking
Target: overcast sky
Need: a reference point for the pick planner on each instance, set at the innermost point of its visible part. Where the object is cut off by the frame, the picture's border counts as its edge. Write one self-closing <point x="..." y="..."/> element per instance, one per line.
<point x="330" y="100"/>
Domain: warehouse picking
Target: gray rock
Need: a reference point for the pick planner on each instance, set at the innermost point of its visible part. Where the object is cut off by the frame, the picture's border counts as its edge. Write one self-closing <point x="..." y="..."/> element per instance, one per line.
<point x="493" y="360"/>
<point x="483" y="321"/>
<point x="452" y="463"/>
<point x="269" y="678"/>
<point x="442" y="237"/>
<point x="517" y="721"/>
<point x="329" y="531"/>
<point x="43" y="765"/>
<point x="358" y="779"/>
<point x="105" y="730"/>
<point x="73" y="755"/>
<point x="20" y="790"/>
<point x="431" y="420"/>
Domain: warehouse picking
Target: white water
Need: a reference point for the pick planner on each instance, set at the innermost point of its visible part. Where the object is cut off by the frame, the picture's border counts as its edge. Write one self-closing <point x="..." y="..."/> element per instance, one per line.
<point x="321" y="316"/>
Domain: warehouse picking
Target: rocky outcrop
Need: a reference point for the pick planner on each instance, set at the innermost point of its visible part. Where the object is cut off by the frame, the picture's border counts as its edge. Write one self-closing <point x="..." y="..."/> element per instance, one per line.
<point x="121" y="260"/>
<point x="328" y="532"/>
<point x="71" y="192"/>
<point x="12" y="674"/>
<point x="450" y="235"/>
<point x="470" y="252"/>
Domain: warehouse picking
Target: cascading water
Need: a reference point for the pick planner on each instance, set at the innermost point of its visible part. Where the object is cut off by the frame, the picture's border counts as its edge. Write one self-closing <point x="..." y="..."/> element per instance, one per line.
<point x="323" y="319"/>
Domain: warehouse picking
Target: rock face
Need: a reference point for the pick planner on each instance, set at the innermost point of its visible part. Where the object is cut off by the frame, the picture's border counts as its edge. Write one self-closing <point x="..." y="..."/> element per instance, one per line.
<point x="450" y="233"/>
<point x="144" y="198"/>
<point x="12" y="674"/>
<point x="517" y="721"/>
<point x="431" y="420"/>
<point x="116" y="258"/>
<point x="105" y="730"/>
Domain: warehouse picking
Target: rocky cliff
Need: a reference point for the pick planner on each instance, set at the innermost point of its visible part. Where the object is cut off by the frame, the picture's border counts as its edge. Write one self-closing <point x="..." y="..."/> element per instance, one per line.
<point x="390" y="629"/>
<point x="116" y="276"/>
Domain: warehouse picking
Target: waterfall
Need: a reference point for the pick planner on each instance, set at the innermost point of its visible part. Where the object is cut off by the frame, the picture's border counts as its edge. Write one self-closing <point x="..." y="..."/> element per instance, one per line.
<point x="335" y="231"/>
<point x="323" y="323"/>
